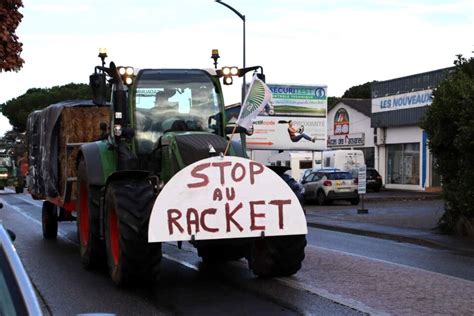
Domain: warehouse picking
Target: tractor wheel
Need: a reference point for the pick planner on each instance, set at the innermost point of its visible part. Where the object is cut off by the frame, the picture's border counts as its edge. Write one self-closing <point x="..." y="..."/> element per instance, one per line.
<point x="19" y="189"/>
<point x="88" y="220"/>
<point x="277" y="256"/>
<point x="49" y="220"/>
<point x="130" y="257"/>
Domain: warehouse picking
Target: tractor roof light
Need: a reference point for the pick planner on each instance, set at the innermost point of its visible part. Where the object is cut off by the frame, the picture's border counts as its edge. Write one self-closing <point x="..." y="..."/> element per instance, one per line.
<point x="234" y="71"/>
<point x="226" y="71"/>
<point x="102" y="55"/>
<point x="129" y="71"/>
<point x="228" y="80"/>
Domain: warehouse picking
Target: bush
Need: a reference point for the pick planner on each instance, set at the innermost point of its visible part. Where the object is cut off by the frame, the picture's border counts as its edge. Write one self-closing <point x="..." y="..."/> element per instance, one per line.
<point x="449" y="123"/>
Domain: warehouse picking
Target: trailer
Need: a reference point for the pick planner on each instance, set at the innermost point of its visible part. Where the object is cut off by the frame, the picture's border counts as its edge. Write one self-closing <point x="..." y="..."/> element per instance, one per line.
<point x="54" y="137"/>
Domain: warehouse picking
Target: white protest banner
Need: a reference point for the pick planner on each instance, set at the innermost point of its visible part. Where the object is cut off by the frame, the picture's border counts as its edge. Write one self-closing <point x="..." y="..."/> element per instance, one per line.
<point x="225" y="197"/>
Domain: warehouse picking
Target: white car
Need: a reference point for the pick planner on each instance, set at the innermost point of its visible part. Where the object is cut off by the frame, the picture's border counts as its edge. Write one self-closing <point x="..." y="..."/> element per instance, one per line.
<point x="326" y="185"/>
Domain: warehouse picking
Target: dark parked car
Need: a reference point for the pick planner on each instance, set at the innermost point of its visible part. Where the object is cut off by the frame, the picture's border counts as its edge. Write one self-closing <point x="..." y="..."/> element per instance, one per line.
<point x="374" y="180"/>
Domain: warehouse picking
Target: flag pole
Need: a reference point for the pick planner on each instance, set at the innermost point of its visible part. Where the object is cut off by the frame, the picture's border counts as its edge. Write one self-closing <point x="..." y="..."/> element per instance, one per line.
<point x="230" y="139"/>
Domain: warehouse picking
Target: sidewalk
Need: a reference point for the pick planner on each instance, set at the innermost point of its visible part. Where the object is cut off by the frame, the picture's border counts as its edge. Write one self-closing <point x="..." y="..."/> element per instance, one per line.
<point x="393" y="215"/>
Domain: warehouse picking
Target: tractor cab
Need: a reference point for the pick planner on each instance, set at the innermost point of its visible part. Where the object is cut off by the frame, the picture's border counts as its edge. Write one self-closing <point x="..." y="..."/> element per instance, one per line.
<point x="173" y="101"/>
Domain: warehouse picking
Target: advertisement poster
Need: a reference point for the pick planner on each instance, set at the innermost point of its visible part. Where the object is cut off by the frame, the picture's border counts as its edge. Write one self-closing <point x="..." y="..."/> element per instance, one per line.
<point x="299" y="100"/>
<point x="288" y="133"/>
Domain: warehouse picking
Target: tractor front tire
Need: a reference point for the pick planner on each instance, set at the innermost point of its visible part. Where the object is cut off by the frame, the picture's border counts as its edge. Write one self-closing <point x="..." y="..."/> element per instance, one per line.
<point x="277" y="256"/>
<point x="131" y="259"/>
<point x="49" y="220"/>
<point x="91" y="248"/>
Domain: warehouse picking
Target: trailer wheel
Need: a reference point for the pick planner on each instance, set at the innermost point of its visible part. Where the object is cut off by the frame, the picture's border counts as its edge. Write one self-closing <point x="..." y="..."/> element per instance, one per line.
<point x="49" y="220"/>
<point x="277" y="256"/>
<point x="91" y="248"/>
<point x="131" y="259"/>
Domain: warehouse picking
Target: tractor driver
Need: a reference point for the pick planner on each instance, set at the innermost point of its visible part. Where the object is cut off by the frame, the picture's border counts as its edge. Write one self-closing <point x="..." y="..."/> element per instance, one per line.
<point x="162" y="98"/>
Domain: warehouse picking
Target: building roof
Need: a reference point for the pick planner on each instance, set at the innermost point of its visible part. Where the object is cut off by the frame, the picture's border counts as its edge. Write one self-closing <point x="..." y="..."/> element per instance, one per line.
<point x="364" y="106"/>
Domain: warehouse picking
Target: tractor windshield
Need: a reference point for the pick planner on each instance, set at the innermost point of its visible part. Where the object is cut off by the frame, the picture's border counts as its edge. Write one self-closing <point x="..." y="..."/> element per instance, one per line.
<point x="173" y="100"/>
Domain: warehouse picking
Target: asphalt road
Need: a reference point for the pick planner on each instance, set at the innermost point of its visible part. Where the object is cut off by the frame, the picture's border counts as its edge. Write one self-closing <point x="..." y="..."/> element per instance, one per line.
<point x="186" y="285"/>
<point x="342" y="274"/>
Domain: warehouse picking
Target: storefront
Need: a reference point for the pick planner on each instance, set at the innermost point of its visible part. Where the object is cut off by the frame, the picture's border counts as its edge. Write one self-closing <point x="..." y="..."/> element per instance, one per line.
<point x="402" y="155"/>
<point x="349" y="127"/>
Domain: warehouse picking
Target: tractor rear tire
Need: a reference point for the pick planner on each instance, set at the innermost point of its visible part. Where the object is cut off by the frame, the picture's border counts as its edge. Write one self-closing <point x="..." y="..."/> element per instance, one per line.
<point x="277" y="256"/>
<point x="131" y="259"/>
<point x="92" y="250"/>
<point x="49" y="220"/>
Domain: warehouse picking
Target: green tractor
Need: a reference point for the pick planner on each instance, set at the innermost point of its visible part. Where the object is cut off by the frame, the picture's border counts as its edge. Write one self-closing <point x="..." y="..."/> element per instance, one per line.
<point x="162" y="122"/>
<point x="10" y="174"/>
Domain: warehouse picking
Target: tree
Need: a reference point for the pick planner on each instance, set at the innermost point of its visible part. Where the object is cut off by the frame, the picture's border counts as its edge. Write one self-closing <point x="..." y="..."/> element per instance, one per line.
<point x="359" y="92"/>
<point x="449" y="123"/>
<point x="18" y="109"/>
<point x="10" y="47"/>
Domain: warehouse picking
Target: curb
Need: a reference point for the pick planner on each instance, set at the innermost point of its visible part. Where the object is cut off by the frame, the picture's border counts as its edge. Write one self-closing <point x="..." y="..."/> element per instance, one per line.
<point x="400" y="198"/>
<point x="394" y="237"/>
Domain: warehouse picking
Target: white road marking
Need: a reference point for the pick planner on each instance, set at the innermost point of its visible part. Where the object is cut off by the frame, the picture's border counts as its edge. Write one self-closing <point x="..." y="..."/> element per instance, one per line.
<point x="61" y="233"/>
<point x="286" y="281"/>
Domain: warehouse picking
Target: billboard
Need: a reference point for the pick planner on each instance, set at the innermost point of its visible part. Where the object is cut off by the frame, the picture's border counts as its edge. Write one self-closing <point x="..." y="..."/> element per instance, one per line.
<point x="299" y="100"/>
<point x="287" y="133"/>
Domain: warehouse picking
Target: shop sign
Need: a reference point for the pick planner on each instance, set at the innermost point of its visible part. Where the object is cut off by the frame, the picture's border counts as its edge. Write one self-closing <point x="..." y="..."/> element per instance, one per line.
<point x="341" y="122"/>
<point x="349" y="140"/>
<point x="402" y="101"/>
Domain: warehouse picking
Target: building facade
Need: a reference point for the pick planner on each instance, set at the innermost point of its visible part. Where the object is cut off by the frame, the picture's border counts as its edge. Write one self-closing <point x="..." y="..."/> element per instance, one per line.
<point x="349" y="127"/>
<point x="402" y="155"/>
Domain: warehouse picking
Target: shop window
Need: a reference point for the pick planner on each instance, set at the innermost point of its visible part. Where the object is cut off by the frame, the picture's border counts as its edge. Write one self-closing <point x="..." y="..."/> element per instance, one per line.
<point x="306" y="164"/>
<point x="403" y="164"/>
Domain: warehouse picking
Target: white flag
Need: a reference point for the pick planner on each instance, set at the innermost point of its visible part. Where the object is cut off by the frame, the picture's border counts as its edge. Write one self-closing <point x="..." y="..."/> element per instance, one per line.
<point x="258" y="96"/>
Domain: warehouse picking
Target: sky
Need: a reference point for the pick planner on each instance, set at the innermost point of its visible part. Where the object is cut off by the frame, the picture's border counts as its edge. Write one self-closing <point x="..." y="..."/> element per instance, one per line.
<point x="335" y="43"/>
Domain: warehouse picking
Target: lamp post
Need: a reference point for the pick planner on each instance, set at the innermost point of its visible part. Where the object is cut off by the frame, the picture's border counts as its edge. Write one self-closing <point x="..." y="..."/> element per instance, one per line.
<point x="242" y="17"/>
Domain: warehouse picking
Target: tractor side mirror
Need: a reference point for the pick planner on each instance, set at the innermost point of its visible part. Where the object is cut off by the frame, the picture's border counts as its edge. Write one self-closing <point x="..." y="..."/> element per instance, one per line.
<point x="98" y="85"/>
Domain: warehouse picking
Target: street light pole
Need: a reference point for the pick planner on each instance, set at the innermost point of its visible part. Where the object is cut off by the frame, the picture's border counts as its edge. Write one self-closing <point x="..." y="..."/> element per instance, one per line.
<point x="242" y="17"/>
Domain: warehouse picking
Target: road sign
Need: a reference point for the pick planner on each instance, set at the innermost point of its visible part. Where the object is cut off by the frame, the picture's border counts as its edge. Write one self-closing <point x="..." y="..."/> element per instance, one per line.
<point x="361" y="187"/>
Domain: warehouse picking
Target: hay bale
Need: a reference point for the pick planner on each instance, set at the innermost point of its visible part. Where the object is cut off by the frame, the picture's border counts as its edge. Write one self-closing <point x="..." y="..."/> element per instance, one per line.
<point x="77" y="125"/>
